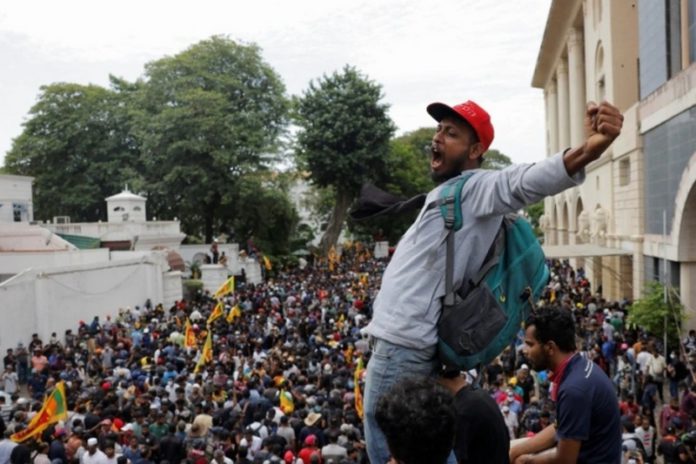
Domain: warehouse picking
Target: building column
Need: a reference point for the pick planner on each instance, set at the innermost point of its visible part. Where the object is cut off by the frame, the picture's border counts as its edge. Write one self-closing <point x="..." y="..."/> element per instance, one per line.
<point x="551" y="118"/>
<point x="576" y="90"/>
<point x="687" y="289"/>
<point x="563" y="105"/>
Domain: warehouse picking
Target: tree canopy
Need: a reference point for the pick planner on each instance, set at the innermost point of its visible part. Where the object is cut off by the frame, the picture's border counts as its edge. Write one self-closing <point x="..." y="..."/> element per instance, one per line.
<point x="343" y="138"/>
<point x="205" y="118"/>
<point x="77" y="145"/>
<point x="195" y="135"/>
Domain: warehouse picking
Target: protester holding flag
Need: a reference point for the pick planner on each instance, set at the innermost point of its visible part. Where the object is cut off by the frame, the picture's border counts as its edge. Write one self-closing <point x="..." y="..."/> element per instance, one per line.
<point x="53" y="410"/>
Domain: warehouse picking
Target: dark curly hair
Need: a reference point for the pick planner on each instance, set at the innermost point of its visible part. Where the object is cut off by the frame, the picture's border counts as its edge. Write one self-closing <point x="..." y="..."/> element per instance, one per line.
<point x="417" y="418"/>
<point x="555" y="324"/>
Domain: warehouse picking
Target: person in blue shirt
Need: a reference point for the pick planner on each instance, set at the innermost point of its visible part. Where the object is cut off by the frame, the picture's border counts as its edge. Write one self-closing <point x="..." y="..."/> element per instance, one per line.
<point x="588" y="424"/>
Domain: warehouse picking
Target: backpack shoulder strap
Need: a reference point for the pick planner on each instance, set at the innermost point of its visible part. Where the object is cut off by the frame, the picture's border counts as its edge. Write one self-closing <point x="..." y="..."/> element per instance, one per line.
<point x="450" y="203"/>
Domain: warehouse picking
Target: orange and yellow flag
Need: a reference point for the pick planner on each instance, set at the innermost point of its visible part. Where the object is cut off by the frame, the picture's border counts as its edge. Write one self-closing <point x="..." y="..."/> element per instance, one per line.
<point x="189" y="336"/>
<point x="218" y="312"/>
<point x="234" y="313"/>
<point x="287" y="403"/>
<point x="226" y="287"/>
<point x="267" y="263"/>
<point x="358" y="393"/>
<point x="54" y="409"/>
<point x="206" y="354"/>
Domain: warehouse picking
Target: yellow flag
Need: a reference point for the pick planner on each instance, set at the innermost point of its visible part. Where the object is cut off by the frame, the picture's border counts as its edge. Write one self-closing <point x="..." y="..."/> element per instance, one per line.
<point x="225" y="288"/>
<point x="267" y="263"/>
<point x="189" y="336"/>
<point x="358" y="394"/>
<point x="234" y="313"/>
<point x="206" y="354"/>
<point x="218" y="312"/>
<point x="287" y="404"/>
<point x="53" y="410"/>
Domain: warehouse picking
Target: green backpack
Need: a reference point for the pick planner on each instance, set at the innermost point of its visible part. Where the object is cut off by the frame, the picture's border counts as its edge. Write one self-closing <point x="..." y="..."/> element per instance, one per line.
<point x="483" y="316"/>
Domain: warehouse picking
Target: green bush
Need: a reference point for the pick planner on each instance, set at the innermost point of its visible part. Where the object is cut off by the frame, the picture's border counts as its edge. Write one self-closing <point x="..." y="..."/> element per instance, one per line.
<point x="649" y="312"/>
<point x="191" y="287"/>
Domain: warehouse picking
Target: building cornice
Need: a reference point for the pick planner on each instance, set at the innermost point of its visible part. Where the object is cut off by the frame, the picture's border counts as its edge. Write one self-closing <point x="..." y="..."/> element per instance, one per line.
<point x="560" y="20"/>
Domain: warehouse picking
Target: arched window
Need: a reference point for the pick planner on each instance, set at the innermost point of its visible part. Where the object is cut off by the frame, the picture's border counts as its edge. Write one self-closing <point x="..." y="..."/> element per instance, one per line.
<point x="119" y="208"/>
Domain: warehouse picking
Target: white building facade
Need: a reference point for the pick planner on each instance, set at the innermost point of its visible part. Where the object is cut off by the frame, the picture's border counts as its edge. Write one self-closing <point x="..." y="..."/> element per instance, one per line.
<point x="639" y="56"/>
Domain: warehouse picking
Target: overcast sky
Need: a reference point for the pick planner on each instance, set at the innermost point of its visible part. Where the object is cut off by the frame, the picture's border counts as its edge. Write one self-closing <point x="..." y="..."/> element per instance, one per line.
<point x="420" y="51"/>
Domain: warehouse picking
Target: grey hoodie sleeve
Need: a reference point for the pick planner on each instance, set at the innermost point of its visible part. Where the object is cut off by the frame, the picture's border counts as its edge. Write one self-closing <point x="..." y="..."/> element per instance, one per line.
<point x="508" y="190"/>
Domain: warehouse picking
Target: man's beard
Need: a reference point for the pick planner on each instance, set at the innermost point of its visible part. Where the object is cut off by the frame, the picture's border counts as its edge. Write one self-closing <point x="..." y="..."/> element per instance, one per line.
<point x="453" y="171"/>
<point x="440" y="177"/>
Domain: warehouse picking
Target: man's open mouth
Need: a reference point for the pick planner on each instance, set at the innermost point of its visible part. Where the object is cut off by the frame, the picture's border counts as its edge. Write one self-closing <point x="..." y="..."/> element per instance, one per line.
<point x="436" y="159"/>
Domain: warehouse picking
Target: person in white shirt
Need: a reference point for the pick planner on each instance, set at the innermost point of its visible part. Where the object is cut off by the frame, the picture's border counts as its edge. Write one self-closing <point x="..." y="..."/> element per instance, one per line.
<point x="646" y="434"/>
<point x="220" y="458"/>
<point x="642" y="359"/>
<point x="510" y="421"/>
<point x="10" y="380"/>
<point x="93" y="455"/>
<point x="656" y="368"/>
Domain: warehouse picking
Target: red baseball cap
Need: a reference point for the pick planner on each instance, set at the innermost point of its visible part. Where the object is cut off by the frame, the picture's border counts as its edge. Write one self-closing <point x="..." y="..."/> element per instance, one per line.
<point x="476" y="116"/>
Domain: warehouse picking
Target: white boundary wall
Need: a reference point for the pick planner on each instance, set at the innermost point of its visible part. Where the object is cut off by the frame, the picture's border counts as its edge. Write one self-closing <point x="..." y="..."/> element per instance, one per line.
<point x="55" y="299"/>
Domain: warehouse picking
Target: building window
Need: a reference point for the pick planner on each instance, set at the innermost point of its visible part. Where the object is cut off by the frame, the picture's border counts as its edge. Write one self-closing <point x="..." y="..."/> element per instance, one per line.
<point x="624" y="172"/>
<point x="652" y="45"/>
<point x="674" y="45"/>
<point x="137" y="208"/>
<point x="119" y="208"/>
<point x="17" y="210"/>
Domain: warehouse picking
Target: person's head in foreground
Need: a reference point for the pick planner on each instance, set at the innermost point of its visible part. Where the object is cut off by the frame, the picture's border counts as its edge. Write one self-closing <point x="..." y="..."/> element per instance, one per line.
<point x="549" y="337"/>
<point x="417" y="419"/>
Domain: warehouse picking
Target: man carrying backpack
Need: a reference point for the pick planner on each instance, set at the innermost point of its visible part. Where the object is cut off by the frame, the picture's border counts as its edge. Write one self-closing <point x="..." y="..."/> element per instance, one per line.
<point x="408" y="306"/>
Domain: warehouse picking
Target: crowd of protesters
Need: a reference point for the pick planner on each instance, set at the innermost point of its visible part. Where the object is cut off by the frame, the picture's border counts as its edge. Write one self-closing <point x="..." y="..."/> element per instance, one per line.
<point x="134" y="393"/>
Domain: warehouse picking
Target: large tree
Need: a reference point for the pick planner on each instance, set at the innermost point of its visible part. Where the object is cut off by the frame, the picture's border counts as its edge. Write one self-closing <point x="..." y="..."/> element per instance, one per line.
<point x="343" y="139"/>
<point x="77" y="144"/>
<point x="207" y="117"/>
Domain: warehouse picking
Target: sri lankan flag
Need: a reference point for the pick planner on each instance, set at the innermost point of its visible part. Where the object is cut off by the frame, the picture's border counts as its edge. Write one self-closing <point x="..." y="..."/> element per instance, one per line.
<point x="189" y="336"/>
<point x="234" y="313"/>
<point x="225" y="288"/>
<point x="267" y="263"/>
<point x="218" y="312"/>
<point x="287" y="404"/>
<point x="207" y="354"/>
<point x="358" y="394"/>
<point x="53" y="410"/>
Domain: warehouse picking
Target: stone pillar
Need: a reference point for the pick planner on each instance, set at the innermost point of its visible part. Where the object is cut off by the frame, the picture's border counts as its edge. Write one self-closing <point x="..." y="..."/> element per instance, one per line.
<point x="626" y="273"/>
<point x="687" y="288"/>
<point x="576" y="90"/>
<point x="563" y="105"/>
<point x="213" y="275"/>
<point x="551" y="118"/>
<point x="550" y="211"/>
<point x="638" y="266"/>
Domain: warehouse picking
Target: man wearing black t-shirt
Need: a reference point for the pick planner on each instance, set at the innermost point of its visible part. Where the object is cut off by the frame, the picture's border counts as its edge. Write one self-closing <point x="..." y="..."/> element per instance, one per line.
<point x="588" y="426"/>
<point x="481" y="434"/>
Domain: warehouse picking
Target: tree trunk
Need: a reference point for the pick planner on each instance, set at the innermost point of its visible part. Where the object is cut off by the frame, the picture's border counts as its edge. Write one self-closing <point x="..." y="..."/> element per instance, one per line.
<point x="210" y="209"/>
<point x="338" y="216"/>
<point x="209" y="228"/>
